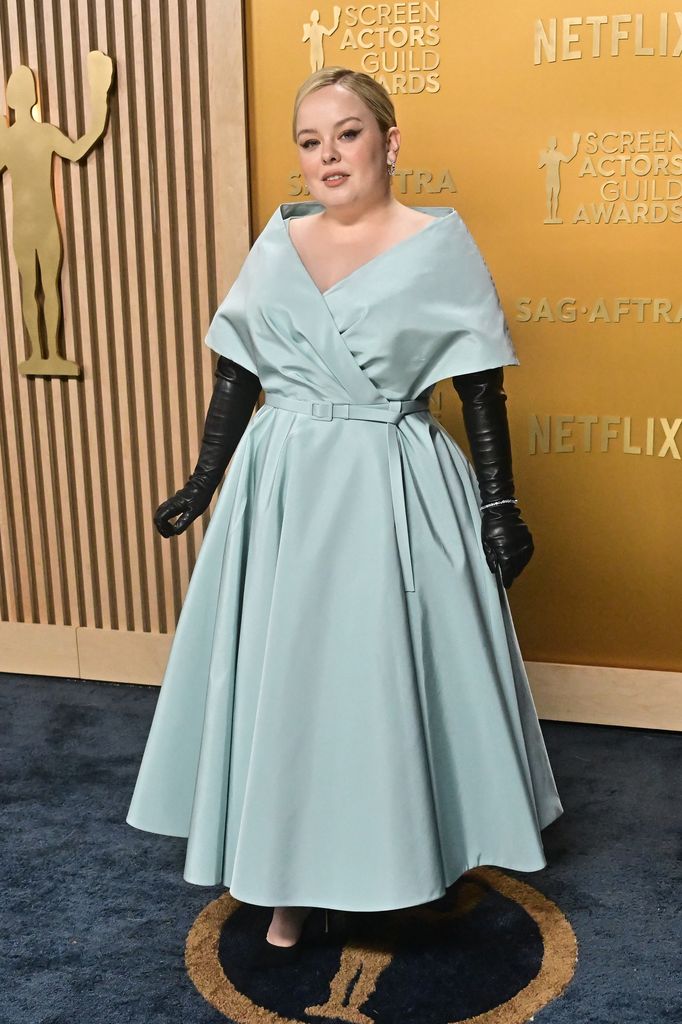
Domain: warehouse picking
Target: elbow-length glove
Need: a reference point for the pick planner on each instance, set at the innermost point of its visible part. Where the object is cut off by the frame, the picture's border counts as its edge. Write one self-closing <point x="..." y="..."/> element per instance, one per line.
<point x="234" y="396"/>
<point x="507" y="541"/>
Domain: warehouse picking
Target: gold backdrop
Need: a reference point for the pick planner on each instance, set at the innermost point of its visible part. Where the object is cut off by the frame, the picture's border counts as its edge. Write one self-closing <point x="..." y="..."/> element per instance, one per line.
<point x="480" y="92"/>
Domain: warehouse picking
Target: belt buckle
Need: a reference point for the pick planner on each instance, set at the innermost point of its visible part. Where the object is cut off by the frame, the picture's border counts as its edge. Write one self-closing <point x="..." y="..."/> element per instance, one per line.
<point x="395" y="407"/>
<point x="322" y="410"/>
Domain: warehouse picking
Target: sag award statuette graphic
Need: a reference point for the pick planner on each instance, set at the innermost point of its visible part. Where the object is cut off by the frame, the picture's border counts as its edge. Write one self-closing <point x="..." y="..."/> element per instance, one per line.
<point x="26" y="150"/>
<point x="552" y="158"/>
<point x="314" y="33"/>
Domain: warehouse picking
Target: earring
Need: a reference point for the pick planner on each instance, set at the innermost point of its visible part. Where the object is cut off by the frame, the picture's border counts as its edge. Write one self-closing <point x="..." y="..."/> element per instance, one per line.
<point x="391" y="168"/>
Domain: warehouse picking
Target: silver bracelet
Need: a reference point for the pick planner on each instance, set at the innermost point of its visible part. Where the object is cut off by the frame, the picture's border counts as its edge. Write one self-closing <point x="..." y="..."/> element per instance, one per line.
<point x="502" y="501"/>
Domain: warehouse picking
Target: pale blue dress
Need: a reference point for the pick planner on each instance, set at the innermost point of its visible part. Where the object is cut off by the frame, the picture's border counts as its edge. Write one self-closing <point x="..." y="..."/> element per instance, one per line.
<point x="345" y="720"/>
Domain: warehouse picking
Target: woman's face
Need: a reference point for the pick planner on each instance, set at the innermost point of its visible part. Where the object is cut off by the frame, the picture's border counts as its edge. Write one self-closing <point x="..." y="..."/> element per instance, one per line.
<point x="337" y="133"/>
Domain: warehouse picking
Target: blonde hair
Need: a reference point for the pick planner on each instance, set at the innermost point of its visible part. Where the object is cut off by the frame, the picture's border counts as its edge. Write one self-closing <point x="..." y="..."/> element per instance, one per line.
<point x="371" y="92"/>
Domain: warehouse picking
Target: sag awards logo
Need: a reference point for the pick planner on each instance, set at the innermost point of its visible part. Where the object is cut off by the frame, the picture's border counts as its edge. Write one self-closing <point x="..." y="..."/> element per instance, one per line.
<point x="626" y="177"/>
<point x="437" y="962"/>
<point x="396" y="43"/>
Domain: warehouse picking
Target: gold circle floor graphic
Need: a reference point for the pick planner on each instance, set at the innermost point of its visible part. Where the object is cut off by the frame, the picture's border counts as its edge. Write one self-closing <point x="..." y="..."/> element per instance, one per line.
<point x="493" y="950"/>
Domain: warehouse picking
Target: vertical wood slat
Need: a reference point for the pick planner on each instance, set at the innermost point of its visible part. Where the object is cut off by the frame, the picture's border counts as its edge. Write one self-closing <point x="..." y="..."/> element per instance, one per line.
<point x="84" y="463"/>
<point x="145" y="278"/>
<point x="202" y="379"/>
<point x="129" y="257"/>
<point x="39" y="402"/>
<point x="155" y="62"/>
<point x="103" y="325"/>
<point x="174" y="135"/>
<point x="66" y="401"/>
<point x="113" y="298"/>
<point x="83" y="472"/>
<point x="50" y="483"/>
<point x="50" y="64"/>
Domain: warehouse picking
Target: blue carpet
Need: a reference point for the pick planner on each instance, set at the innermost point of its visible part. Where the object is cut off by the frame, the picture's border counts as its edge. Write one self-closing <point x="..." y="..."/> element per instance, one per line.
<point x="96" y="913"/>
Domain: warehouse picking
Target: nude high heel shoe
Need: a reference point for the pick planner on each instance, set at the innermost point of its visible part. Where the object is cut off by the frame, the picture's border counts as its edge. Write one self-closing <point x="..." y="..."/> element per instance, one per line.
<point x="270" y="955"/>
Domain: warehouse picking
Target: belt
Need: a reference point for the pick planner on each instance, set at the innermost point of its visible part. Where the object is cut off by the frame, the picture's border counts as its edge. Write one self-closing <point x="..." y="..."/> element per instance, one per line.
<point x="390" y="414"/>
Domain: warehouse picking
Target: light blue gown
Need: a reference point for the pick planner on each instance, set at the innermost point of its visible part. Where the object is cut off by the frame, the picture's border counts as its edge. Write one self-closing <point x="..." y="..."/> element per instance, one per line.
<point x="345" y="719"/>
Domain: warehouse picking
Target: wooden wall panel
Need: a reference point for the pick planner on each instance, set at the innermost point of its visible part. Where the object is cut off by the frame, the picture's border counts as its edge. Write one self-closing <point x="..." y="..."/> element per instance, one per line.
<point x="154" y="222"/>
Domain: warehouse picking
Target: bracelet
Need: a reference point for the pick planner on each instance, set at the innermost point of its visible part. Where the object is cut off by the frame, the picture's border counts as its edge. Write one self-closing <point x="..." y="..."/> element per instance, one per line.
<point x="502" y="501"/>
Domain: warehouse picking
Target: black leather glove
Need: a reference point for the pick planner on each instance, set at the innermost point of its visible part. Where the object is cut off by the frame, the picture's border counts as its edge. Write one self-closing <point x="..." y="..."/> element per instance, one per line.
<point x="507" y="541"/>
<point x="234" y="396"/>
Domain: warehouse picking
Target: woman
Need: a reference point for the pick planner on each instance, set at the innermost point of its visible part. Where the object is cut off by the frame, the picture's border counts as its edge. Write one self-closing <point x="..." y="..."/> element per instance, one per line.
<point x="345" y="720"/>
